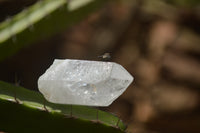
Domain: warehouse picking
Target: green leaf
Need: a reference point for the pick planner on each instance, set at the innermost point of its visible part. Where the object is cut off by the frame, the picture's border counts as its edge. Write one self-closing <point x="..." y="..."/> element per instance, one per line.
<point x="40" y="21"/>
<point x="22" y="110"/>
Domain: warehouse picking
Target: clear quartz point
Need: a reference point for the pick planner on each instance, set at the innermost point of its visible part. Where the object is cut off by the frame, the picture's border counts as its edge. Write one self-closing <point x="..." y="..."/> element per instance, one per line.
<point x="82" y="82"/>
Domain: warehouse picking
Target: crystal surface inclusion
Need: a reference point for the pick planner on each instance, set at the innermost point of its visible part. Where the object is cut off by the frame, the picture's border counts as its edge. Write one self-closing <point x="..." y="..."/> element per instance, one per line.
<point x="82" y="82"/>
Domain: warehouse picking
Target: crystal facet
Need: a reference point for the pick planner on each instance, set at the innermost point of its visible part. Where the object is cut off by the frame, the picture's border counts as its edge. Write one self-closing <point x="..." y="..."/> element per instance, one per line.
<point x="82" y="82"/>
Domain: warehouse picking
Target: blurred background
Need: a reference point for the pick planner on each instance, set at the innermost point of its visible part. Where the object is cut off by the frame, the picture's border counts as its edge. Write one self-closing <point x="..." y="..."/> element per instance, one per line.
<point x="157" y="41"/>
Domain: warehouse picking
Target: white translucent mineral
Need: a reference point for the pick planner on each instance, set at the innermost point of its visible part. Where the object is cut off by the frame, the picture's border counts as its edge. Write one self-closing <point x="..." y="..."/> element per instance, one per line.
<point x="82" y="82"/>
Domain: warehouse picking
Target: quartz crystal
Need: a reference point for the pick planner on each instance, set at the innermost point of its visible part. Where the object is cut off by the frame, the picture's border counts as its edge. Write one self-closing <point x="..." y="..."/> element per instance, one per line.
<point x="82" y="82"/>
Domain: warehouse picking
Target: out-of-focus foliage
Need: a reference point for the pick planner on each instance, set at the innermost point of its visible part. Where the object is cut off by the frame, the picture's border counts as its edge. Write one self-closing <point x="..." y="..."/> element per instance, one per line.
<point x="43" y="19"/>
<point x="185" y="3"/>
